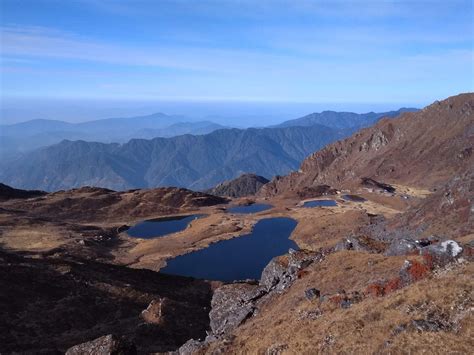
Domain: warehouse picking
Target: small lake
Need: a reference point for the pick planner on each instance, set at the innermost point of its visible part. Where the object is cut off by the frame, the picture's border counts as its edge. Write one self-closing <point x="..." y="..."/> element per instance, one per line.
<point x="240" y="258"/>
<point x="320" y="203"/>
<point x="254" y="208"/>
<point x="353" y="198"/>
<point x="160" y="227"/>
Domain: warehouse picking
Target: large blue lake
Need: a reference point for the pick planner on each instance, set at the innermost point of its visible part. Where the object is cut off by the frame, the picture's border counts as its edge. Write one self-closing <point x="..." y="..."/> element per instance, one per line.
<point x="160" y="227"/>
<point x="240" y="258"/>
<point x="254" y="208"/>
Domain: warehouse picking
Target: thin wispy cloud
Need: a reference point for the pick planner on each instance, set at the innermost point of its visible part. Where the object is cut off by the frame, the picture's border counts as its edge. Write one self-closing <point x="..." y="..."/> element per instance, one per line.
<point x="269" y="50"/>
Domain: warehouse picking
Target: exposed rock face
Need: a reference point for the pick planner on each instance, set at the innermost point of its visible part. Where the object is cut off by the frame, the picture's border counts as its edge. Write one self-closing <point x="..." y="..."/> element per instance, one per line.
<point x="402" y="247"/>
<point x="244" y="185"/>
<point x="231" y="305"/>
<point x="315" y="191"/>
<point x="361" y="243"/>
<point x="368" y="182"/>
<point x="282" y="271"/>
<point x="106" y="345"/>
<point x="424" y="148"/>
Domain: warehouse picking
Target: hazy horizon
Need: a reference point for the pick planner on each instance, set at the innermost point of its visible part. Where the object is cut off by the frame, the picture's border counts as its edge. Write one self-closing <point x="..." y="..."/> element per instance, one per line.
<point x="231" y="113"/>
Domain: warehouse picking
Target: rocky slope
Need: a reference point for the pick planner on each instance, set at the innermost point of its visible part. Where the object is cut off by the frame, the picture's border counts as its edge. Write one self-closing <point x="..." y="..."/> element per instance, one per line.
<point x="196" y="162"/>
<point x="244" y="185"/>
<point x="424" y="149"/>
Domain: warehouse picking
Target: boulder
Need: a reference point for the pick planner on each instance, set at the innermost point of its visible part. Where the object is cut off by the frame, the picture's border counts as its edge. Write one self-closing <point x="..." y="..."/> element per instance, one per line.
<point x="312" y="293"/>
<point x="106" y="345"/>
<point x="154" y="313"/>
<point x="282" y="271"/>
<point x="353" y="243"/>
<point x="231" y="305"/>
<point x="402" y="246"/>
<point x="191" y="347"/>
<point x="443" y="253"/>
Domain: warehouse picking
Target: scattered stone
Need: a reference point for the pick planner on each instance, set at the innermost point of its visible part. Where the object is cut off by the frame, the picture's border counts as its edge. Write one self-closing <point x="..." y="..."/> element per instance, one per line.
<point x="361" y="243"/>
<point x="368" y="182"/>
<point x="312" y="293"/>
<point x="191" y="347"/>
<point x="312" y="315"/>
<point x="106" y="345"/>
<point x="423" y="325"/>
<point x="402" y="246"/>
<point x="276" y="349"/>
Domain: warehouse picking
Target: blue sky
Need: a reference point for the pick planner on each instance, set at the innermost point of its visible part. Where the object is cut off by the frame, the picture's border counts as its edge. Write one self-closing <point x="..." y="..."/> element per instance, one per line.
<point x="400" y="52"/>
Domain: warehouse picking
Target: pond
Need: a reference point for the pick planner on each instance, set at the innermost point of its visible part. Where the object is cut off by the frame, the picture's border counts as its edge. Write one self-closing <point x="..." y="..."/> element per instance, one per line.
<point x="239" y="258"/>
<point x="353" y="198"/>
<point x="253" y="208"/>
<point x="160" y="227"/>
<point x="320" y="203"/>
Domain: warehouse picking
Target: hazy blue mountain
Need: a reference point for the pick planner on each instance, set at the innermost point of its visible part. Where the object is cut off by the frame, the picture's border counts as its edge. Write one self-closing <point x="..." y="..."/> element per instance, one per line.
<point x="193" y="161"/>
<point x="177" y="129"/>
<point x="157" y="120"/>
<point x="343" y="119"/>
<point x="26" y="136"/>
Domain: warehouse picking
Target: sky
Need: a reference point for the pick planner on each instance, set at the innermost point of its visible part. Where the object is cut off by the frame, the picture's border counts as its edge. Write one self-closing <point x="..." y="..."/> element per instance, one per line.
<point x="81" y="59"/>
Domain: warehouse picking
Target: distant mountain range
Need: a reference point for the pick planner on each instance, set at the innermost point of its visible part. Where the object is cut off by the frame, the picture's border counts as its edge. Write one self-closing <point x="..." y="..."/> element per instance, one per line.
<point x="196" y="162"/>
<point x="185" y="155"/>
<point x="26" y="136"/>
<point x="343" y="119"/>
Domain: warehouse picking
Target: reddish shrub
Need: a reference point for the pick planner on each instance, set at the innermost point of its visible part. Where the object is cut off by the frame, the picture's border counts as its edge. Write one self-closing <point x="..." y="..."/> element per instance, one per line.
<point x="392" y="285"/>
<point x="302" y="273"/>
<point x="375" y="290"/>
<point x="417" y="271"/>
<point x="468" y="251"/>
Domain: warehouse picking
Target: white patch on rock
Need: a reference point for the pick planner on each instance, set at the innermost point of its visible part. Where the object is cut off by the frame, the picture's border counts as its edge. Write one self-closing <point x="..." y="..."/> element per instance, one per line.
<point x="452" y="246"/>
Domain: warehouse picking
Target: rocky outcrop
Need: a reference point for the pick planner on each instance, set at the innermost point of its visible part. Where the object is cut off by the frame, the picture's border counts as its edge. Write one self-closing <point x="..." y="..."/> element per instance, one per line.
<point x="282" y="271"/>
<point x="244" y="185"/>
<point x="233" y="304"/>
<point x="106" y="345"/>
